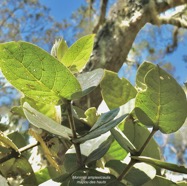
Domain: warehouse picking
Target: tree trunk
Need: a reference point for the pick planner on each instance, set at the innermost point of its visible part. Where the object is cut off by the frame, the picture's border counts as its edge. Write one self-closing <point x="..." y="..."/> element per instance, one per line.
<point x="114" y="40"/>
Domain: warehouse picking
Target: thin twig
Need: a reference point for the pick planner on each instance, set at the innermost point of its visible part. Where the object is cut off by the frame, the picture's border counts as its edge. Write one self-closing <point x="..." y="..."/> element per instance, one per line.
<point x="73" y="128"/>
<point x="16" y="154"/>
<point x="126" y="170"/>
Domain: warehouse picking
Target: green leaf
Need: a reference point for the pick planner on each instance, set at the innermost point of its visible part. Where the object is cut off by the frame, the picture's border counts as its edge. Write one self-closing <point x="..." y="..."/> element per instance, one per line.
<point x="123" y="141"/>
<point x="7" y="142"/>
<point x="18" y="139"/>
<point x="163" y="103"/>
<point x="88" y="81"/>
<point x="99" y="152"/>
<point x="91" y="116"/>
<point x="78" y="54"/>
<point x="70" y="162"/>
<point x="138" y="175"/>
<point x="138" y="134"/>
<point x="18" y="167"/>
<point x="116" y="152"/>
<point x="59" y="49"/>
<point x="103" y="125"/>
<point x="141" y="73"/>
<point x="160" y="181"/>
<point x="3" y="127"/>
<point x="49" y="110"/>
<point x="116" y="91"/>
<point x="42" y="175"/>
<point x="41" y="121"/>
<point x="161" y="164"/>
<point x="36" y="73"/>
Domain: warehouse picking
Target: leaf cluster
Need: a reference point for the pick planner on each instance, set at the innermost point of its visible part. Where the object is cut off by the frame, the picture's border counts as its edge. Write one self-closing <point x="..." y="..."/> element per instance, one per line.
<point x="84" y="146"/>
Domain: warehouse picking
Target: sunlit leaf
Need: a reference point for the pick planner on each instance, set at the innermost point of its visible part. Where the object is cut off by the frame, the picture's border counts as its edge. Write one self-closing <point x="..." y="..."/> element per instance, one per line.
<point x="59" y="49"/>
<point x="50" y="110"/>
<point x="140" y="76"/>
<point x="78" y="54"/>
<point x="36" y="73"/>
<point x="160" y="181"/>
<point x="91" y="116"/>
<point x="138" y="134"/>
<point x="163" y="103"/>
<point x="41" y="121"/>
<point x="116" y="91"/>
<point x="7" y="142"/>
<point x="123" y="141"/>
<point x="88" y="81"/>
<point x="138" y="175"/>
<point x="159" y="163"/>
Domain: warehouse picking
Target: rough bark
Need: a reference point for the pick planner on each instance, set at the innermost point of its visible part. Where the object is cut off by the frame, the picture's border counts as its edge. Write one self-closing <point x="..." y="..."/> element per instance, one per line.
<point x="114" y="40"/>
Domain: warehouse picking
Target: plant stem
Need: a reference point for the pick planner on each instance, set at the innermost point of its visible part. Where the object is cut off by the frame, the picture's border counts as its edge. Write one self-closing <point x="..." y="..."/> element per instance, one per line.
<point x="146" y="142"/>
<point x="73" y="128"/>
<point x="138" y="153"/>
<point x="127" y="169"/>
<point x="15" y="154"/>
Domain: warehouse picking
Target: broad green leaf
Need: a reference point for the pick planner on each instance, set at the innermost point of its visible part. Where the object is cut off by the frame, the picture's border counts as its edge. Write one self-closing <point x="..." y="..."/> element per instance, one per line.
<point x="88" y="81"/>
<point x="18" y="139"/>
<point x="100" y="151"/>
<point x="123" y="141"/>
<point x="116" y="91"/>
<point x="59" y="49"/>
<point x="42" y="175"/>
<point x="138" y="134"/>
<point x="36" y="73"/>
<point x="103" y="125"/>
<point x="70" y="162"/>
<point x="18" y="167"/>
<point x="138" y="175"/>
<point x="163" y="103"/>
<point x="161" y="164"/>
<point x="49" y="110"/>
<point x="91" y="116"/>
<point x="160" y="181"/>
<point x="41" y="121"/>
<point x="78" y="54"/>
<point x="116" y="152"/>
<point x="7" y="142"/>
<point x="141" y="73"/>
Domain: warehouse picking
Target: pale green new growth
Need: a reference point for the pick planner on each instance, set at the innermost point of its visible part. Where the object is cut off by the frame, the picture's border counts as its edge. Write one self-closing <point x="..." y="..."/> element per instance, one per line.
<point x="78" y="54"/>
